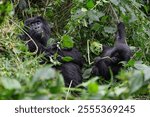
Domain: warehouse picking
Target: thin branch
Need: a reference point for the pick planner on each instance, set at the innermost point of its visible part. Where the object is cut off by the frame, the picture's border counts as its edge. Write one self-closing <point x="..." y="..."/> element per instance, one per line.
<point x="68" y="90"/>
<point x="27" y="35"/>
<point x="29" y="6"/>
<point x="88" y="51"/>
<point x="47" y="3"/>
<point x="114" y="12"/>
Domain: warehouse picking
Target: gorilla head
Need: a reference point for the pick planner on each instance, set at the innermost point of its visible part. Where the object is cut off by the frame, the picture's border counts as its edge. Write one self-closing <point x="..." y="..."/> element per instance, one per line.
<point x="39" y="30"/>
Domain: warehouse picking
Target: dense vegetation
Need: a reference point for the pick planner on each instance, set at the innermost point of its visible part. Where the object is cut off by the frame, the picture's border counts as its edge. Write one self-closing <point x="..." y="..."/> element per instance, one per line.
<point x="85" y="21"/>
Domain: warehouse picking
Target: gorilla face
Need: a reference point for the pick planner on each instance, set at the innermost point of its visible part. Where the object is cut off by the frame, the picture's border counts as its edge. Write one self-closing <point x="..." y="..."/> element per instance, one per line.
<point x="36" y="27"/>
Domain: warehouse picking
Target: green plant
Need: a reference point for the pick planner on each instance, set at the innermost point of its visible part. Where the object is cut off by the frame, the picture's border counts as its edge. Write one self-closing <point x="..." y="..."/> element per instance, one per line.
<point x="85" y="24"/>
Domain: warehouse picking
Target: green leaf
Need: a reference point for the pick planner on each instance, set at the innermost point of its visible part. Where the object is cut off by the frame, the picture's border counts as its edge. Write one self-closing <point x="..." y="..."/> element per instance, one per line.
<point x="138" y="54"/>
<point x="136" y="81"/>
<point x="131" y="63"/>
<point x="93" y="16"/>
<point x="67" y="58"/>
<point x="96" y="47"/>
<point x="44" y="74"/>
<point x="100" y="14"/>
<point x="90" y="4"/>
<point x="123" y="10"/>
<point x="93" y="88"/>
<point x="115" y="2"/>
<point x="66" y="42"/>
<point x="105" y="1"/>
<point x="120" y="90"/>
<point x="5" y="9"/>
<point x="94" y="79"/>
<point x="16" y="51"/>
<point x="84" y="9"/>
<point x="87" y="73"/>
<point x="110" y="30"/>
<point x="10" y="84"/>
<point x="140" y="66"/>
<point x="80" y="14"/>
<point x="146" y="74"/>
<point x="133" y="18"/>
<point x="128" y="8"/>
<point x="96" y="26"/>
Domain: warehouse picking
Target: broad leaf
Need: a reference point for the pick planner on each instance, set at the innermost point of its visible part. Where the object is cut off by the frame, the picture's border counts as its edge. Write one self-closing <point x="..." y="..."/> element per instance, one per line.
<point x="110" y="30"/>
<point x="93" y="88"/>
<point x="66" y="42"/>
<point x="136" y="81"/>
<point x="90" y="4"/>
<point x="147" y="74"/>
<point x="10" y="84"/>
<point x="115" y="2"/>
<point x="96" y="47"/>
<point x="67" y="58"/>
<point x="87" y="73"/>
<point x="44" y="74"/>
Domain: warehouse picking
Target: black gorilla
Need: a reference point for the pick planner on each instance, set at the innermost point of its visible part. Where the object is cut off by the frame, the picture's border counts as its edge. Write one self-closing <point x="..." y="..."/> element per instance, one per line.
<point x="111" y="57"/>
<point x="38" y="29"/>
<point x="71" y="70"/>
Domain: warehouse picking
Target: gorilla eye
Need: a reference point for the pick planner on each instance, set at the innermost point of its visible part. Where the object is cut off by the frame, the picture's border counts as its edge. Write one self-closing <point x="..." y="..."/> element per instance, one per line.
<point x="38" y="22"/>
<point x="32" y="24"/>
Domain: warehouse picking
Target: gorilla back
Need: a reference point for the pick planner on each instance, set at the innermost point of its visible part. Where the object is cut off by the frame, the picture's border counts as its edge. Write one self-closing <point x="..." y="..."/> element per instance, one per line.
<point x="71" y="70"/>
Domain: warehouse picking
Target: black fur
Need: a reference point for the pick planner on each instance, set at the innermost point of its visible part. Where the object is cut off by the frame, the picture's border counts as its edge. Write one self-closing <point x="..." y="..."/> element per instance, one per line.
<point x="39" y="30"/>
<point x="111" y="57"/>
<point x="71" y="70"/>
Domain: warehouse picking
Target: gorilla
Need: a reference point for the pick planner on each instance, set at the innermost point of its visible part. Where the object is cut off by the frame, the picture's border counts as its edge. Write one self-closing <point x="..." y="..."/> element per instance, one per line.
<point x="38" y="31"/>
<point x="71" y="70"/>
<point x="111" y="57"/>
<point x="37" y="34"/>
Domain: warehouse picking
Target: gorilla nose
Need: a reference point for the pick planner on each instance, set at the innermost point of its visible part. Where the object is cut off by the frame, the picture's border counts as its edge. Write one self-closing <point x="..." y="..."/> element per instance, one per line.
<point x="36" y="28"/>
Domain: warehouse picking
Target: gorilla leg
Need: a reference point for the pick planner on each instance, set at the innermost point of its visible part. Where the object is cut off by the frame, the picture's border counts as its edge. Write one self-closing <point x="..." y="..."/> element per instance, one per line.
<point x="71" y="73"/>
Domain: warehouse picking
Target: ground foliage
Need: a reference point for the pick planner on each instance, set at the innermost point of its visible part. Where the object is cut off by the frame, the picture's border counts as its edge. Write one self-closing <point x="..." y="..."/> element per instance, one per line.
<point x="89" y="23"/>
